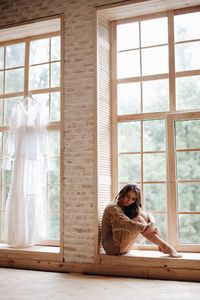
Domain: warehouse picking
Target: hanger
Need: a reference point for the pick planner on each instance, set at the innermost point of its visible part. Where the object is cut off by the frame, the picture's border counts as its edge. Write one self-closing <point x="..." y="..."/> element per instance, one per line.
<point x="27" y="97"/>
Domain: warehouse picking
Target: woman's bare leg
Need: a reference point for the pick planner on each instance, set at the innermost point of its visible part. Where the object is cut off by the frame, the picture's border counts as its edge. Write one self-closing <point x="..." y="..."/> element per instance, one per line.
<point x="155" y="238"/>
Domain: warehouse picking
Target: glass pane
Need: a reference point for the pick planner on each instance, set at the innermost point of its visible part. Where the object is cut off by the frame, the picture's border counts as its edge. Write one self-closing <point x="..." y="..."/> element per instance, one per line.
<point x="14" y="80"/>
<point x="154" y="32"/>
<point x="161" y="223"/>
<point x="54" y="143"/>
<point x="188" y="93"/>
<point x="129" y="98"/>
<point x="55" y="74"/>
<point x="155" y="196"/>
<point x="187" y="27"/>
<point x="54" y="198"/>
<point x="1" y="57"/>
<point x="39" y="77"/>
<point x="128" y="64"/>
<point x="188" y="165"/>
<point x="155" y="95"/>
<point x="130" y="168"/>
<point x="154" y="135"/>
<point x="39" y="51"/>
<point x="42" y="98"/>
<point x="129" y="136"/>
<point x="188" y="196"/>
<point x="55" y="48"/>
<point x="154" y="167"/>
<point x="9" y="103"/>
<point x="1" y="82"/>
<point x="54" y="172"/>
<point x="15" y="55"/>
<point x="187" y="56"/>
<point x="127" y="36"/>
<point x="155" y="60"/>
<point x="187" y="134"/>
<point x="54" y="226"/>
<point x="189" y="228"/>
<point x="55" y="107"/>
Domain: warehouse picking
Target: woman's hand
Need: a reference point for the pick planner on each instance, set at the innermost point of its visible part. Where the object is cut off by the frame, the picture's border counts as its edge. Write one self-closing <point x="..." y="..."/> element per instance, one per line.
<point x="150" y="228"/>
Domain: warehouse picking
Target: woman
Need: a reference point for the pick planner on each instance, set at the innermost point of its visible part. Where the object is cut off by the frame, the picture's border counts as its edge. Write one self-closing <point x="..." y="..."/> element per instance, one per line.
<point x="124" y="220"/>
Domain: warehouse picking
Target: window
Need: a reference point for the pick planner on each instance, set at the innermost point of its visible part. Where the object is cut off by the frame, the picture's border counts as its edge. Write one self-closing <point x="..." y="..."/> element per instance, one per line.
<point x="156" y="102"/>
<point x="33" y="65"/>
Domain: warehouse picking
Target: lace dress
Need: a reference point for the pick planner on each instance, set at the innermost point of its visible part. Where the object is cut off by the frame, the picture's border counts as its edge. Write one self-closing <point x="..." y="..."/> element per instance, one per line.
<point x="25" y="151"/>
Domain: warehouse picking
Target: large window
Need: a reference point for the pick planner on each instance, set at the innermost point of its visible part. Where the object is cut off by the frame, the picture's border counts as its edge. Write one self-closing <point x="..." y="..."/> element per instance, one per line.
<point x="156" y="99"/>
<point x="33" y="65"/>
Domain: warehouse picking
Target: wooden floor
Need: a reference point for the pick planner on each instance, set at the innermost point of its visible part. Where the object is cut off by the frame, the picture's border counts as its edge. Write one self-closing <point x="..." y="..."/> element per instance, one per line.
<point x="31" y="285"/>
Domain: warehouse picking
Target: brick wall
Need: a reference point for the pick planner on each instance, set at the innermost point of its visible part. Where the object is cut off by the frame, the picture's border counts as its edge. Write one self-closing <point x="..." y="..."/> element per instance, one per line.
<point x="79" y="114"/>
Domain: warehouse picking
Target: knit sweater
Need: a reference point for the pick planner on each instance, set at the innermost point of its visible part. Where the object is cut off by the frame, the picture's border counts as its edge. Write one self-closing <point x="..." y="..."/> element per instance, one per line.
<point x="117" y="226"/>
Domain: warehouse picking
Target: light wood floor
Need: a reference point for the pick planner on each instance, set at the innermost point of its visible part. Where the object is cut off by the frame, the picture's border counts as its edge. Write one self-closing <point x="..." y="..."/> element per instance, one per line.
<point x="32" y="285"/>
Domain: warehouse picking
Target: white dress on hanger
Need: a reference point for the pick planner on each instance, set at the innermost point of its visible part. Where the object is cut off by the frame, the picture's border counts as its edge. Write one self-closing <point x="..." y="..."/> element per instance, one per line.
<point x="26" y="146"/>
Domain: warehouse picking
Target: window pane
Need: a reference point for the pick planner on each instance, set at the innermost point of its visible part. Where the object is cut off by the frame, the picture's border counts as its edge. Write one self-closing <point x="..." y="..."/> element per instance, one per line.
<point x="128" y="64"/>
<point x="54" y="172"/>
<point x="54" y="226"/>
<point x="14" y="80"/>
<point x="188" y="196"/>
<point x="161" y="223"/>
<point x="155" y="95"/>
<point x="188" y="165"/>
<point x="155" y="196"/>
<point x="1" y="82"/>
<point x="187" y="26"/>
<point x="54" y="198"/>
<point x="54" y="143"/>
<point x="39" y="77"/>
<point x="15" y="55"/>
<point x="55" y="48"/>
<point x="187" y="134"/>
<point x="188" y="93"/>
<point x="39" y="51"/>
<point x="187" y="56"/>
<point x="154" y="167"/>
<point x="129" y="134"/>
<point x="154" y="32"/>
<point x="130" y="168"/>
<point x="55" y="107"/>
<point x="42" y="98"/>
<point x="128" y="36"/>
<point x="8" y="106"/>
<point x="129" y="98"/>
<point x="154" y="135"/>
<point x="189" y="228"/>
<point x="1" y="57"/>
<point x="55" y="74"/>
<point x="155" y="60"/>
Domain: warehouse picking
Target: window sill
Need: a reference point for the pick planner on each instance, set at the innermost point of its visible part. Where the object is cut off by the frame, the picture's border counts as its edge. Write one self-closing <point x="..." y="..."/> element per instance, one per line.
<point x="35" y="252"/>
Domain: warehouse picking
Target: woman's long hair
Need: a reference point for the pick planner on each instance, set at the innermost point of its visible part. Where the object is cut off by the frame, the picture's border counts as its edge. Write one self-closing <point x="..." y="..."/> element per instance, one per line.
<point x="132" y="210"/>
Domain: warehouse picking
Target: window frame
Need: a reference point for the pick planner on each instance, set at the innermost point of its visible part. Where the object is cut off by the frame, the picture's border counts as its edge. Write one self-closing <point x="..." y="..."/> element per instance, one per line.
<point x="166" y="116"/>
<point x="52" y="125"/>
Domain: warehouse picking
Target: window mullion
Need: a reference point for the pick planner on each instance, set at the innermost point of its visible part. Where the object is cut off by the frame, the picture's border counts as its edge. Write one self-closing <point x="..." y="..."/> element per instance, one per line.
<point x="171" y="186"/>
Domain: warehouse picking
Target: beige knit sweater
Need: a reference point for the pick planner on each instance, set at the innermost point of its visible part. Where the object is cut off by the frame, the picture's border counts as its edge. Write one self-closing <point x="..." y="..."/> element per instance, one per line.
<point x="116" y="226"/>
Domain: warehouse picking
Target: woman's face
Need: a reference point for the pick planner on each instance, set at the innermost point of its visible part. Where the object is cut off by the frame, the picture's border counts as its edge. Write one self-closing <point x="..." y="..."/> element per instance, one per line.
<point x="129" y="199"/>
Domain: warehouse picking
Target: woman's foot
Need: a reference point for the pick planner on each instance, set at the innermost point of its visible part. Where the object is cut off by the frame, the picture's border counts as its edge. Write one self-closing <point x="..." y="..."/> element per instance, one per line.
<point x="170" y="251"/>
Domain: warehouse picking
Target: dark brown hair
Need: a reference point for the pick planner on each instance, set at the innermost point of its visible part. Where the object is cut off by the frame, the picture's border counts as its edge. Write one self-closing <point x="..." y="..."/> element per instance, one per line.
<point x="132" y="210"/>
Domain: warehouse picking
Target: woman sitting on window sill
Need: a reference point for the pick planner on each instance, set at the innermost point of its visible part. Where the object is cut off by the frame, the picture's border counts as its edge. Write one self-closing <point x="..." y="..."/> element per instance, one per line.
<point x="124" y="220"/>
